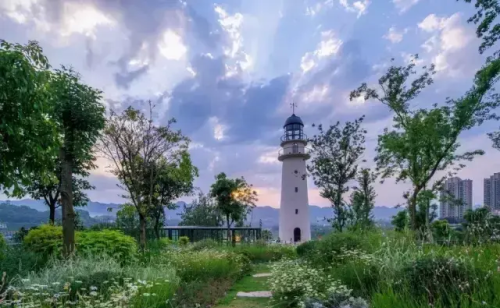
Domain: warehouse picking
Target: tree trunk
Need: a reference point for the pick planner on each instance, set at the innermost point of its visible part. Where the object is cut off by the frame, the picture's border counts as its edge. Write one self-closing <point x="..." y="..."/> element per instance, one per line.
<point x="142" y="237"/>
<point x="228" y="229"/>
<point x="412" y="208"/>
<point x="52" y="213"/>
<point x="157" y="226"/>
<point x="68" y="217"/>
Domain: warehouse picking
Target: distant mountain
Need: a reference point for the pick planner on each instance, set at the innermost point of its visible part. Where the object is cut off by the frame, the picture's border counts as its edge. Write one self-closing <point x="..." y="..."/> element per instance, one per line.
<point x="269" y="215"/>
<point x="17" y="216"/>
<point x="93" y="208"/>
<point x="318" y="215"/>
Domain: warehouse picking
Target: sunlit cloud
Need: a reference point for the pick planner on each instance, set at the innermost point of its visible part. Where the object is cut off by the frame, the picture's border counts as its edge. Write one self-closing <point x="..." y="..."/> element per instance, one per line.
<point x="171" y="46"/>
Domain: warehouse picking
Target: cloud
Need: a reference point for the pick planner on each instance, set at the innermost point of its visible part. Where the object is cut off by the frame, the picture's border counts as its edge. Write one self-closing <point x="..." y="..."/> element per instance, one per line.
<point x="329" y="45"/>
<point x="404" y="5"/>
<point x="450" y="44"/>
<point x="394" y="35"/>
<point x="360" y="7"/>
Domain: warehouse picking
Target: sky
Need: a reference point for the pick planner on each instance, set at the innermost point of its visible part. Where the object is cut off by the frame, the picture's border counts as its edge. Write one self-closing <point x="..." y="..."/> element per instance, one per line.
<point x="228" y="70"/>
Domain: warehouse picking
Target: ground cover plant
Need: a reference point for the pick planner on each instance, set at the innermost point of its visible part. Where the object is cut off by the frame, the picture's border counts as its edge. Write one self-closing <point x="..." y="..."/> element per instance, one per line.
<point x="389" y="269"/>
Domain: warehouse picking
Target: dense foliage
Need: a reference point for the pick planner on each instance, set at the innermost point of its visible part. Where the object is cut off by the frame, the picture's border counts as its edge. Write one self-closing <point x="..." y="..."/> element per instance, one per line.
<point x="110" y="242"/>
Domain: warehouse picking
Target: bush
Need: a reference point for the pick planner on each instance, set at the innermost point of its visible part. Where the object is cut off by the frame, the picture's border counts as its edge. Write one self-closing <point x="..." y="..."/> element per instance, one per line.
<point x="294" y="281"/>
<point x="45" y="240"/>
<point x="3" y="245"/>
<point x="361" y="277"/>
<point x="207" y="265"/>
<point x="201" y="293"/>
<point x="336" y="248"/>
<point x="439" y="279"/>
<point x="102" y="273"/>
<point x="205" y="244"/>
<point x="110" y="242"/>
<point x="306" y="248"/>
<point x="17" y="260"/>
<point x="336" y="300"/>
<point x="183" y="240"/>
<point x="266" y="253"/>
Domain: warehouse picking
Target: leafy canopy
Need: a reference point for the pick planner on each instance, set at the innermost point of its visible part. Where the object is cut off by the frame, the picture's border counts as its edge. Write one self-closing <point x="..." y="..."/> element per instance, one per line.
<point x="28" y="138"/>
<point x="336" y="153"/>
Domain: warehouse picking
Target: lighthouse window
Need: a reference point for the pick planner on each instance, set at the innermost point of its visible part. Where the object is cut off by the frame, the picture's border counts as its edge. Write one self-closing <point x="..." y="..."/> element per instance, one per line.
<point x="296" y="189"/>
<point x="296" y="212"/>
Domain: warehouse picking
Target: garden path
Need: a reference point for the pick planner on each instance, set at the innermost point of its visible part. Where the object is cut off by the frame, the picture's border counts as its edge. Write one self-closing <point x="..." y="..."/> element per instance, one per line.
<point x="248" y="284"/>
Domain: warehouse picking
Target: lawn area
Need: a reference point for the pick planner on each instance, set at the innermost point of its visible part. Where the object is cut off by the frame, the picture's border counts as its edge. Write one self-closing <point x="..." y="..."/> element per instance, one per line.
<point x="248" y="284"/>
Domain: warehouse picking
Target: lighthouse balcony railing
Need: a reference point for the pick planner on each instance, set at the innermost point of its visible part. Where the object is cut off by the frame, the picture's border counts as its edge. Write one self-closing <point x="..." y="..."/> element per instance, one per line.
<point x="290" y="137"/>
<point x="293" y="150"/>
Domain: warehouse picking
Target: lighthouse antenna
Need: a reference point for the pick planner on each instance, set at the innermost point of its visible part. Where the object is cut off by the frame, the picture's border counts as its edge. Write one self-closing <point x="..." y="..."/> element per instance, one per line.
<point x="293" y="104"/>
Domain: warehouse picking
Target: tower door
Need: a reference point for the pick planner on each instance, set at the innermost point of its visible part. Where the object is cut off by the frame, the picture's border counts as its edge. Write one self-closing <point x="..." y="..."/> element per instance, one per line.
<point x="296" y="235"/>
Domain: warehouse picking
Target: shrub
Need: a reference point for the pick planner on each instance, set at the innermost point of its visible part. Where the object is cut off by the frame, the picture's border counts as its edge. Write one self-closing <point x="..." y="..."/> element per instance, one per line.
<point x="363" y="278"/>
<point x="183" y="240"/>
<point x="3" y="245"/>
<point x="207" y="265"/>
<point x="201" y="293"/>
<point x="336" y="300"/>
<point x="293" y="281"/>
<point x="205" y="244"/>
<point x="102" y="273"/>
<point x="306" y="248"/>
<point x="110" y="242"/>
<point x="45" y="240"/>
<point x="266" y="253"/>
<point x="333" y="248"/>
<point x="17" y="260"/>
<point x="439" y="279"/>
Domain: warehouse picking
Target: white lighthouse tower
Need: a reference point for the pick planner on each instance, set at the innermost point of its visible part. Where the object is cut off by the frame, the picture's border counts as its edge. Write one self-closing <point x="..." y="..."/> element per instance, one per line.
<point x="295" y="225"/>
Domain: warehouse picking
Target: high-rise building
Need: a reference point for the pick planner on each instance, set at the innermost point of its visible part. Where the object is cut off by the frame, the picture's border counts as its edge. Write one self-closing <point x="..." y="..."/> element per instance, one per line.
<point x="456" y="198"/>
<point x="492" y="192"/>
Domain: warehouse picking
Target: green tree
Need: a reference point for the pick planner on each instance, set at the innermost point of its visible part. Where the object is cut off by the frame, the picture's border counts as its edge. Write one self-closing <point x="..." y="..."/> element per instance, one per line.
<point x="202" y="211"/>
<point x="424" y="141"/>
<point x="363" y="200"/>
<point x="79" y="116"/>
<point x="50" y="192"/>
<point x="400" y="220"/>
<point x="488" y="30"/>
<point x="127" y="218"/>
<point x="336" y="153"/>
<point x="28" y="138"/>
<point x="174" y="180"/>
<point x="235" y="198"/>
<point x="441" y="230"/>
<point x="136" y="146"/>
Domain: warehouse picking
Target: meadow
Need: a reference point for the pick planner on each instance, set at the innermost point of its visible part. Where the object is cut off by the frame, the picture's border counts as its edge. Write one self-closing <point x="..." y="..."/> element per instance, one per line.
<point x="374" y="268"/>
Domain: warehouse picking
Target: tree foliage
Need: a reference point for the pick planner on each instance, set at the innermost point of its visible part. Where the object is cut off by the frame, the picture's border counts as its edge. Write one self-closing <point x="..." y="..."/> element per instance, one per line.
<point x="174" y="180"/>
<point x="79" y="116"/>
<point x="400" y="220"/>
<point x="336" y="153"/>
<point x="50" y="191"/>
<point x="424" y="141"/>
<point x="203" y="211"/>
<point x="28" y="138"/>
<point x="137" y="149"/>
<point x="235" y="198"/>
<point x="363" y="200"/>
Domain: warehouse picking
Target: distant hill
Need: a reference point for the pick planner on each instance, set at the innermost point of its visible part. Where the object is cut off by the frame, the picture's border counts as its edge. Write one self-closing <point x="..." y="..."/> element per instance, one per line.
<point x="17" y="216"/>
<point x="93" y="208"/>
<point x="268" y="215"/>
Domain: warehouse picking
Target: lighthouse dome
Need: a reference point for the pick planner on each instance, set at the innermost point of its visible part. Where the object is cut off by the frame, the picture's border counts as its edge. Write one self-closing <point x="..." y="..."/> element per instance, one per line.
<point x="293" y="119"/>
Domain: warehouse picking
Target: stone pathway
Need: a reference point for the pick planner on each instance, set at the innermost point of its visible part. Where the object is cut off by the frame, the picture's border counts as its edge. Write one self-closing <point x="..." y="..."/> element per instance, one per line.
<point x="265" y="294"/>
<point x="250" y="292"/>
<point x="261" y="275"/>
